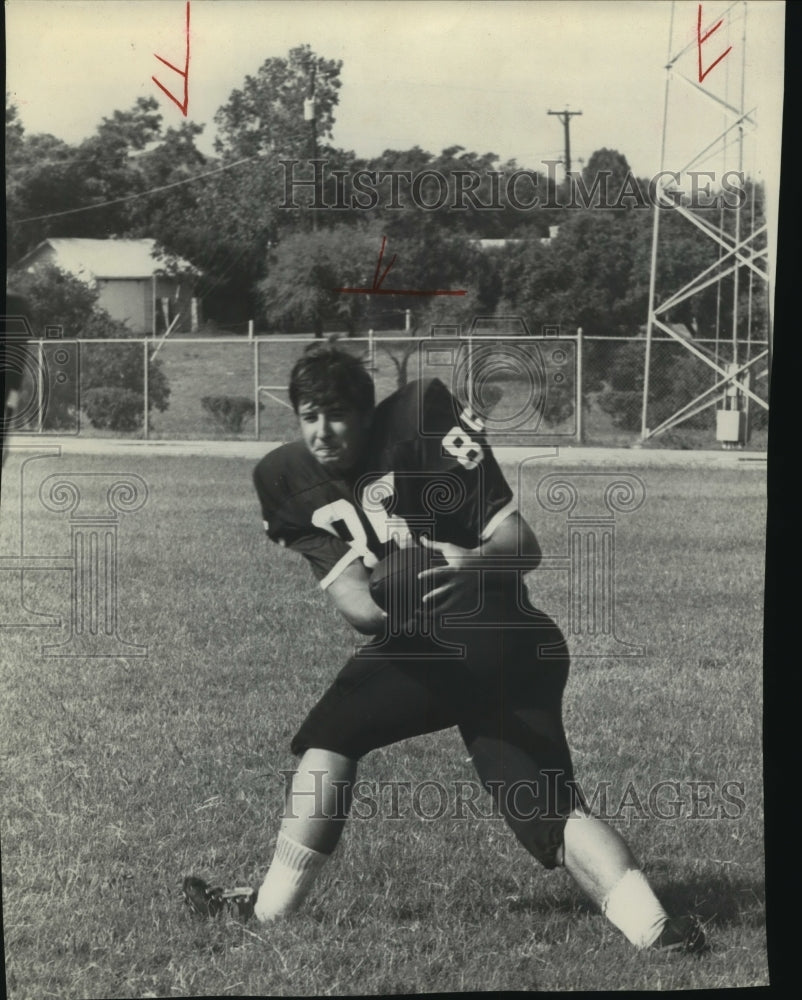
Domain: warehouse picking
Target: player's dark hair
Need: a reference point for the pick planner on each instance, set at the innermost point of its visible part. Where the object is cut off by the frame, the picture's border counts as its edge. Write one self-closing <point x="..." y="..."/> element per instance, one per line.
<point x="327" y="375"/>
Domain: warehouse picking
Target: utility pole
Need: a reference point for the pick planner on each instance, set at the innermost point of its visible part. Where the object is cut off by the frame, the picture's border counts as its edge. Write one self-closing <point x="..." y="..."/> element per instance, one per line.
<point x="310" y="113"/>
<point x="565" y="118"/>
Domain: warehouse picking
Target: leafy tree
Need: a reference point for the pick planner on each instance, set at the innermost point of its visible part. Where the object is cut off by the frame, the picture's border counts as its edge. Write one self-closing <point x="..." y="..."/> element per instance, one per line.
<point x="48" y="177"/>
<point x="179" y="219"/>
<point x="676" y="379"/>
<point x="14" y="134"/>
<point x="56" y="298"/>
<point x="169" y="216"/>
<point x="468" y="181"/>
<point x="266" y="116"/>
<point x="237" y="216"/>
<point x="602" y="180"/>
<point x="595" y="272"/>
<point x="38" y="182"/>
<point x="105" y="170"/>
<point x="15" y="157"/>
<point x="305" y="269"/>
<point x="400" y="355"/>
<point x="133" y="129"/>
<point x="114" y="370"/>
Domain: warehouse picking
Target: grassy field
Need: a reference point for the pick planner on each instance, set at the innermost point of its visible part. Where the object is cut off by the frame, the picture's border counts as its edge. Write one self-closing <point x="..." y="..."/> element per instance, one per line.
<point x="120" y="775"/>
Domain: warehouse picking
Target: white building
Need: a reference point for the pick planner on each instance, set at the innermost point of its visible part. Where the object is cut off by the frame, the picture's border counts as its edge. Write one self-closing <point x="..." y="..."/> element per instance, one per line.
<point x="131" y="279"/>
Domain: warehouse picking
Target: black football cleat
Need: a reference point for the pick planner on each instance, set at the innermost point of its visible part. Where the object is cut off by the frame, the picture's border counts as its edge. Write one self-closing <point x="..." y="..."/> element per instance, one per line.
<point x="210" y="902"/>
<point x="683" y="934"/>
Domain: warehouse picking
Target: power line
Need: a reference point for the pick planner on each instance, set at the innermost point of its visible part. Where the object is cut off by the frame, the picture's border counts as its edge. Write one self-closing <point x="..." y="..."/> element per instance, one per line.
<point x="140" y="194"/>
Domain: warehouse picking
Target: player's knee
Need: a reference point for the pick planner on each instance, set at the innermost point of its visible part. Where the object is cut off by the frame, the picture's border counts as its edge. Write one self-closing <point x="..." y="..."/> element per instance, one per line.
<point x="330" y="759"/>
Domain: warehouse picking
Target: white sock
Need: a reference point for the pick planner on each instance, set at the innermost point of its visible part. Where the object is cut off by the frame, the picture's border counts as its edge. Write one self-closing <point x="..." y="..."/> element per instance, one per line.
<point x="634" y="909"/>
<point x="290" y="877"/>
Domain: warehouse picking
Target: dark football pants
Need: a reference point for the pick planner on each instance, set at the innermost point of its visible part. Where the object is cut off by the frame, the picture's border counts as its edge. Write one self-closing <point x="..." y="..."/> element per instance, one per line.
<point x="504" y="694"/>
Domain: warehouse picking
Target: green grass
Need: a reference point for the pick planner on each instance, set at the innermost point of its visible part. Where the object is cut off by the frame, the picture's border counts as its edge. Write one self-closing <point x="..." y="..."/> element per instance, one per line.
<point x="121" y="775"/>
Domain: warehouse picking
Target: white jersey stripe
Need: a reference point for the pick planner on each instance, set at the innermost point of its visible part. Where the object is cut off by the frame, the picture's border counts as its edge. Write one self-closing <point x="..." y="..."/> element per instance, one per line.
<point x="338" y="567"/>
<point x="497" y="518"/>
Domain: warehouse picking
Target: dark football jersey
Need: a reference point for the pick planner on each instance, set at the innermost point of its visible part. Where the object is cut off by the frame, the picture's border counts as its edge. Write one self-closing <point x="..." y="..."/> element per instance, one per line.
<point x="427" y="470"/>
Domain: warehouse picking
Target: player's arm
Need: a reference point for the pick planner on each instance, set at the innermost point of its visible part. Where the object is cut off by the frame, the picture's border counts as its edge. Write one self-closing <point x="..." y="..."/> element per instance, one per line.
<point x="512" y="546"/>
<point x="513" y="539"/>
<point x="336" y="565"/>
<point x="351" y="596"/>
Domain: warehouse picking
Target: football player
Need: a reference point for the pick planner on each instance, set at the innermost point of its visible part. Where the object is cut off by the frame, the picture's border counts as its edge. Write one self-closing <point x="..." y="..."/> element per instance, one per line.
<point x="416" y="474"/>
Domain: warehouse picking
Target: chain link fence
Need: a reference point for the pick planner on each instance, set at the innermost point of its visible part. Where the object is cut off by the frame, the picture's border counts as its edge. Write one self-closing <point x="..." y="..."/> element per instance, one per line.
<point x="544" y="390"/>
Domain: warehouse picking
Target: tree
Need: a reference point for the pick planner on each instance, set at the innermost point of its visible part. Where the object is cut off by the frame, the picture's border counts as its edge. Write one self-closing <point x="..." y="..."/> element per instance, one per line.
<point x="305" y="267"/>
<point x="38" y="182"/>
<point x="238" y="217"/>
<point x="478" y="196"/>
<point x="14" y="134"/>
<point x="111" y="388"/>
<point x="304" y="270"/>
<point x="593" y="274"/>
<point x="168" y="216"/>
<point x="105" y="170"/>
<point x="48" y="177"/>
<point x="56" y="298"/>
<point x="179" y="219"/>
<point x="603" y="179"/>
<point x="266" y="116"/>
<point x="15" y="156"/>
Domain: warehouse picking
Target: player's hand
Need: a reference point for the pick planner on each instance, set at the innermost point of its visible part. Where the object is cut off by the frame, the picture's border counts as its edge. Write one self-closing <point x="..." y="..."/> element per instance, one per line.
<point x="454" y="586"/>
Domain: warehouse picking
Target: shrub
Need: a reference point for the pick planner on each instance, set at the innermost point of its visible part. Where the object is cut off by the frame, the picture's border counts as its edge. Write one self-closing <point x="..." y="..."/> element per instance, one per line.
<point x="624" y="407"/>
<point x="112" y="376"/>
<point x="120" y="366"/>
<point x="113" y="408"/>
<point x="229" y="411"/>
<point x="676" y="379"/>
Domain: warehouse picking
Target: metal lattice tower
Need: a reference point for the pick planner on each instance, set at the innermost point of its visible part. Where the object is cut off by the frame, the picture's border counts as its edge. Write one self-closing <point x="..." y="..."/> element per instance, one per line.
<point x="709" y="78"/>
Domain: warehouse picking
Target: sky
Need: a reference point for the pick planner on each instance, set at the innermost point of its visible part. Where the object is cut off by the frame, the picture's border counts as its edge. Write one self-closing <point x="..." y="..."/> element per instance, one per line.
<point x="482" y="74"/>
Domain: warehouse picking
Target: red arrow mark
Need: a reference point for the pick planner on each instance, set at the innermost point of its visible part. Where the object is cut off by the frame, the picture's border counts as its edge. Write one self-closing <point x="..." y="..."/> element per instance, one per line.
<point x="183" y="105"/>
<point x="703" y="38"/>
<point x="376" y="287"/>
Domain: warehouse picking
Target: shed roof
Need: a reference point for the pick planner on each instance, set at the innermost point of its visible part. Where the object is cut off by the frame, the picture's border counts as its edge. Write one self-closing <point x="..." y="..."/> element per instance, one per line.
<point x="114" y="258"/>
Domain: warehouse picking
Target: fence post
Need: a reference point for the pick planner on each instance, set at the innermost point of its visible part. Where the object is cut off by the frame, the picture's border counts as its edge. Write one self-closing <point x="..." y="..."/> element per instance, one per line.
<point x="256" y="422"/>
<point x="145" y="386"/>
<point x="40" y="388"/>
<point x="579" y="377"/>
<point x="469" y="381"/>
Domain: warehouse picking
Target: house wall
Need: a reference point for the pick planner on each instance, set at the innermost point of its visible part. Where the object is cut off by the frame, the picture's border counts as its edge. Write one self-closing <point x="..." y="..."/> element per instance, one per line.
<point x="127" y="300"/>
<point x="131" y="301"/>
